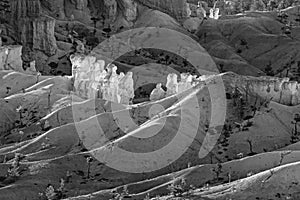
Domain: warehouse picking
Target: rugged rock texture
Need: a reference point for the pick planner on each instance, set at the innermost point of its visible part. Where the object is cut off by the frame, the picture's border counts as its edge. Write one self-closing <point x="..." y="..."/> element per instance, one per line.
<point x="129" y="8"/>
<point x="93" y="80"/>
<point x="215" y="136"/>
<point x="54" y="8"/>
<point x="280" y="90"/>
<point x="10" y="58"/>
<point x="253" y="43"/>
<point x="77" y="10"/>
<point x="163" y="117"/>
<point x="176" y="8"/>
<point x="24" y="9"/>
<point x="42" y="31"/>
<point x="33" y="30"/>
<point x="127" y="14"/>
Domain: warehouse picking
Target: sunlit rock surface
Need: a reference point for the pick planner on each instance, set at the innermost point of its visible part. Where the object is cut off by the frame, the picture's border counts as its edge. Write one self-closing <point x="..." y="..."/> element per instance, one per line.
<point x="280" y="90"/>
<point x="10" y="58"/>
<point x="93" y="80"/>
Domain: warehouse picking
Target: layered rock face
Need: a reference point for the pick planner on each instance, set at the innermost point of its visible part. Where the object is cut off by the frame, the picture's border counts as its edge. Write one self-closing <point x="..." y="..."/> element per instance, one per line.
<point x="92" y="80"/>
<point x="38" y="34"/>
<point x="26" y="8"/>
<point x="76" y="10"/>
<point x="33" y="30"/>
<point x="176" y="8"/>
<point x="280" y="90"/>
<point x="107" y="13"/>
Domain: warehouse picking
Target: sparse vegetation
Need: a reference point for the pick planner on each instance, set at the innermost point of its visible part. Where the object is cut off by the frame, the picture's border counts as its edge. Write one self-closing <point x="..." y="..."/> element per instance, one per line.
<point x="38" y="110"/>
<point x="14" y="170"/>
<point x="218" y="170"/>
<point x="295" y="134"/>
<point x="250" y="148"/>
<point x="54" y="194"/>
<point x="88" y="161"/>
<point x="121" y="195"/>
<point x="269" y="70"/>
<point x="178" y="190"/>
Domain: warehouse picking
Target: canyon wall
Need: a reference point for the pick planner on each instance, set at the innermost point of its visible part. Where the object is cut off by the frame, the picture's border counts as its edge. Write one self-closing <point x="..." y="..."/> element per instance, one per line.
<point x="32" y="29"/>
<point x="93" y="80"/>
<point x="280" y="90"/>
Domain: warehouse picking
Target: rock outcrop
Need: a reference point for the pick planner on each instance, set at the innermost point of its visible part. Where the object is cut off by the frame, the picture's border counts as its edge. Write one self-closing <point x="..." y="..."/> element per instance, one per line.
<point x="158" y="93"/>
<point x="93" y="80"/>
<point x="33" y="30"/>
<point x="280" y="90"/>
<point x="10" y="58"/>
<point x="26" y="8"/>
<point x="127" y="14"/>
<point x="174" y="121"/>
<point x="129" y="8"/>
<point x="175" y="8"/>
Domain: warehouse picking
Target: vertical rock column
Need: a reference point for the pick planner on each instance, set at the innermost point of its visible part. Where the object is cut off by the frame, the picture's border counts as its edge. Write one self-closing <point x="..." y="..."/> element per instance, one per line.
<point x="43" y="35"/>
<point x="33" y="30"/>
<point x="93" y="80"/>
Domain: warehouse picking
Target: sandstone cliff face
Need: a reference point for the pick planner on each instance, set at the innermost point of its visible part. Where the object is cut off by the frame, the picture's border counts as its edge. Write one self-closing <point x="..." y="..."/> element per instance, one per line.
<point x="176" y="8"/>
<point x="38" y="34"/>
<point x="90" y="75"/>
<point x="33" y="30"/>
<point x="109" y="13"/>
<point x="26" y="8"/>
<point x="280" y="90"/>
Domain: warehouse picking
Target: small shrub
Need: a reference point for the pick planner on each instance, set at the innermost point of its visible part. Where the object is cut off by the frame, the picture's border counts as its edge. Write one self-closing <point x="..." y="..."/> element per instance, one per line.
<point x="178" y="190"/>
<point x="54" y="194"/>
<point x="14" y="170"/>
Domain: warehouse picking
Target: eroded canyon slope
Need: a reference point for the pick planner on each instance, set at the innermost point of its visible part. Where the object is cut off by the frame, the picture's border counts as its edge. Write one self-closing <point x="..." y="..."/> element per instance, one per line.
<point x="253" y="43"/>
<point x="56" y="133"/>
<point x="229" y="135"/>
